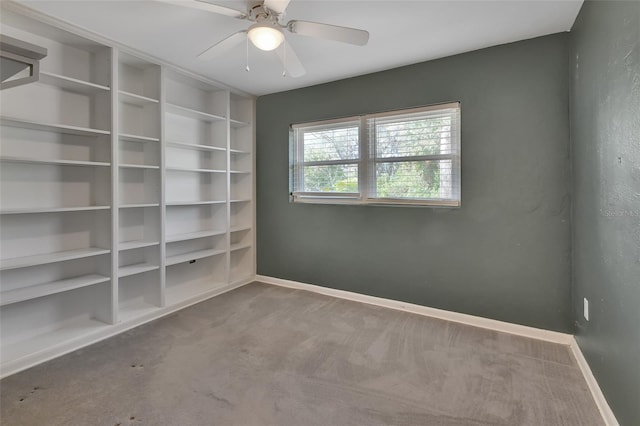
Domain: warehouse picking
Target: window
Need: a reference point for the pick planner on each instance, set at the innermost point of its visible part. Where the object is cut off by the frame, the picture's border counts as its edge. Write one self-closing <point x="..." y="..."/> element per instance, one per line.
<point x="400" y="157"/>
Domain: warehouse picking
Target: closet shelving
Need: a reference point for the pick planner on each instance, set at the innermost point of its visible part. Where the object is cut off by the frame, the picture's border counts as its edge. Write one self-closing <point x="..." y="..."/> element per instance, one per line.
<point x="241" y="188"/>
<point x="126" y="192"/>
<point x="139" y="281"/>
<point x="196" y="130"/>
<point x="55" y="198"/>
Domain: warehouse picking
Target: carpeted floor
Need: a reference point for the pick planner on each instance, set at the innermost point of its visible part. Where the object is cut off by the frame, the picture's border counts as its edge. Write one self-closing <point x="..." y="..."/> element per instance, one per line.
<point x="265" y="355"/>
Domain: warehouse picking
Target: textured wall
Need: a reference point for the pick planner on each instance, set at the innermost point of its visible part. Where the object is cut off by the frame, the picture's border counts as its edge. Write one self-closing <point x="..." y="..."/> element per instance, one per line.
<point x="505" y="254"/>
<point x="605" y="116"/>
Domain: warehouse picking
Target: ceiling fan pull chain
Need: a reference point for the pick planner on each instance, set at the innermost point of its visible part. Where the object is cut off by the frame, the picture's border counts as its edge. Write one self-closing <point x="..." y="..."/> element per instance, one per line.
<point x="247" y="68"/>
<point x="284" y="59"/>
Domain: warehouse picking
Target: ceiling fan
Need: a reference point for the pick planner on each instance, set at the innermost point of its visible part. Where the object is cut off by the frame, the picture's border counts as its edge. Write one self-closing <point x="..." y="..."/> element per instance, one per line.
<point x="267" y="32"/>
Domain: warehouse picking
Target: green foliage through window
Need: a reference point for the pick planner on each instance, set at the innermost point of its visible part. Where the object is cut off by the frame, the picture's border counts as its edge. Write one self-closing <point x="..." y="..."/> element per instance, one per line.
<point x="408" y="155"/>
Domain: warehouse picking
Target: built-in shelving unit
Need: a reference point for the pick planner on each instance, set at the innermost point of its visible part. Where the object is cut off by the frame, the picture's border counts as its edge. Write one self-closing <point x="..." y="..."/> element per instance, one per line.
<point x="126" y="192"/>
<point x="139" y="285"/>
<point x="196" y="186"/>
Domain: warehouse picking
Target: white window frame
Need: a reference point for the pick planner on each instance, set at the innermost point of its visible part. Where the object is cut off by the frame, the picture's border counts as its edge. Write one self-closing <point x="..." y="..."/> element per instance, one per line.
<point x="368" y="160"/>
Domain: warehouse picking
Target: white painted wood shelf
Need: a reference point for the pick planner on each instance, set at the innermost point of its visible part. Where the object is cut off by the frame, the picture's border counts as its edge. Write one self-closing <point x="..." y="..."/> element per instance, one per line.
<point x="72" y="84"/>
<point x="37" y="210"/>
<point x="139" y="166"/>
<point x="40" y="290"/>
<point x="49" y="127"/>
<point x="193" y="203"/>
<point x="192" y="236"/>
<point x="135" y="309"/>
<point x="132" y="245"/>
<point x="145" y="170"/>
<point x="75" y="329"/>
<point x="186" y="257"/>
<point x="192" y="113"/>
<point x="191" y="290"/>
<point x="196" y="147"/>
<point x="136" y="99"/>
<point x="194" y="170"/>
<point x="138" y="205"/>
<point x="43" y="161"/>
<point x="138" y="268"/>
<point x="137" y="138"/>
<point x="43" y="259"/>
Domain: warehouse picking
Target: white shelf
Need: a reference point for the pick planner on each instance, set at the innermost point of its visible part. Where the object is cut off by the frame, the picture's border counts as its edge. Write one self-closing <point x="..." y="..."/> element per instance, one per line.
<point x="236" y="247"/>
<point x="238" y="123"/>
<point x="72" y="84"/>
<point x="241" y="200"/>
<point x="28" y="160"/>
<point x="70" y="330"/>
<point x="193" y="236"/>
<point x="139" y="166"/>
<point x="138" y="268"/>
<point x="43" y="259"/>
<point x="193" y="203"/>
<point x="186" y="257"/>
<point x="132" y="98"/>
<point x="137" y="138"/>
<point x="46" y="289"/>
<point x="197" y="147"/>
<point x="239" y="151"/>
<point x="47" y="127"/>
<point x="131" y="245"/>
<point x="240" y="228"/>
<point x="192" y="113"/>
<point x="187" y="169"/>
<point x="134" y="309"/>
<point x="53" y="210"/>
<point x="138" y="206"/>
<point x="180" y="293"/>
<point x="239" y="172"/>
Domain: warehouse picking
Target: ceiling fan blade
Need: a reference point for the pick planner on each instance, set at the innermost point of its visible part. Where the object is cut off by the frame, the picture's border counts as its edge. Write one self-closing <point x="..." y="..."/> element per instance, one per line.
<point x="290" y="60"/>
<point x="223" y="46"/>
<point x="277" y="6"/>
<point x="330" y="32"/>
<point x="208" y="7"/>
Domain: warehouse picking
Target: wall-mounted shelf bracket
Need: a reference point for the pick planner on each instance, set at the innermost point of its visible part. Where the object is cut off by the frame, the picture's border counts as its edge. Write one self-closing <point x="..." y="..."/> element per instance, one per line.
<point x="17" y="56"/>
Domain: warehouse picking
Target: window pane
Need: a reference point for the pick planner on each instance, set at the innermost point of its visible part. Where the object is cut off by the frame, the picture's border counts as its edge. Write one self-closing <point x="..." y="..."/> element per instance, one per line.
<point x="415" y="179"/>
<point x="410" y="137"/>
<point x="334" y="178"/>
<point x="331" y="144"/>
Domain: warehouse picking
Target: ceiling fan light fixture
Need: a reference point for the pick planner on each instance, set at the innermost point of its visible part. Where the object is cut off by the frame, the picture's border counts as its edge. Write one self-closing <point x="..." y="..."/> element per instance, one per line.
<point x="265" y="36"/>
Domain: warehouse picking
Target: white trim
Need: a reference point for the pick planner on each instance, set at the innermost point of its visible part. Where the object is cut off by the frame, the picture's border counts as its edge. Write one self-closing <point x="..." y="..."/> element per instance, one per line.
<point x="20" y="364"/>
<point x="490" y="324"/>
<point x="606" y="412"/>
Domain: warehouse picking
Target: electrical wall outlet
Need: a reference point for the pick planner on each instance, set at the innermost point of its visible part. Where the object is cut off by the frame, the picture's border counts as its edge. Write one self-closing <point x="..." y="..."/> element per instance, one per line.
<point x="585" y="309"/>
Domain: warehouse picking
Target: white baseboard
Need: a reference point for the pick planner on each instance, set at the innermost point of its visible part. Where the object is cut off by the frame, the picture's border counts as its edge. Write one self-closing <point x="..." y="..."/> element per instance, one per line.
<point x="505" y="327"/>
<point x="606" y="412"/>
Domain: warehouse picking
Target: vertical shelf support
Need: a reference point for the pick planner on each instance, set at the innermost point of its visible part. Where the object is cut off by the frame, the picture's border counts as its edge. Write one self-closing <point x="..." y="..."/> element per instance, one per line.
<point x="115" y="178"/>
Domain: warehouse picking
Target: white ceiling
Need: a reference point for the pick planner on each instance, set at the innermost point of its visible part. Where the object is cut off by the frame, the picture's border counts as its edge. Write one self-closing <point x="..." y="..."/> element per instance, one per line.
<point x="402" y="32"/>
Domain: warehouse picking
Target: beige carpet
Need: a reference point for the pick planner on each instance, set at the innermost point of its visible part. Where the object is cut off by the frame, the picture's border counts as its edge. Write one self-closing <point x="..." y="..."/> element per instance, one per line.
<point x="264" y="355"/>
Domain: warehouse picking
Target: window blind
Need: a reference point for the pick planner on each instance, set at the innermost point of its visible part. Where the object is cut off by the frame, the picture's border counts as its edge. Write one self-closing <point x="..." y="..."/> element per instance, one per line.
<point x="327" y="159"/>
<point x="415" y="155"/>
<point x="398" y="157"/>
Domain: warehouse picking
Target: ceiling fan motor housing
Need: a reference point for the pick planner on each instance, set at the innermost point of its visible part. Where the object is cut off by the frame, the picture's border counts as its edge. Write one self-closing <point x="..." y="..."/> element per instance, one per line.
<point x="259" y="13"/>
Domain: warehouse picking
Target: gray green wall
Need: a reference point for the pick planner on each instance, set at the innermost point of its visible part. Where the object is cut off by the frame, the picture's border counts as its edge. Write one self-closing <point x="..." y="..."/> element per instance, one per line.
<point x="605" y="133"/>
<point x="505" y="254"/>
